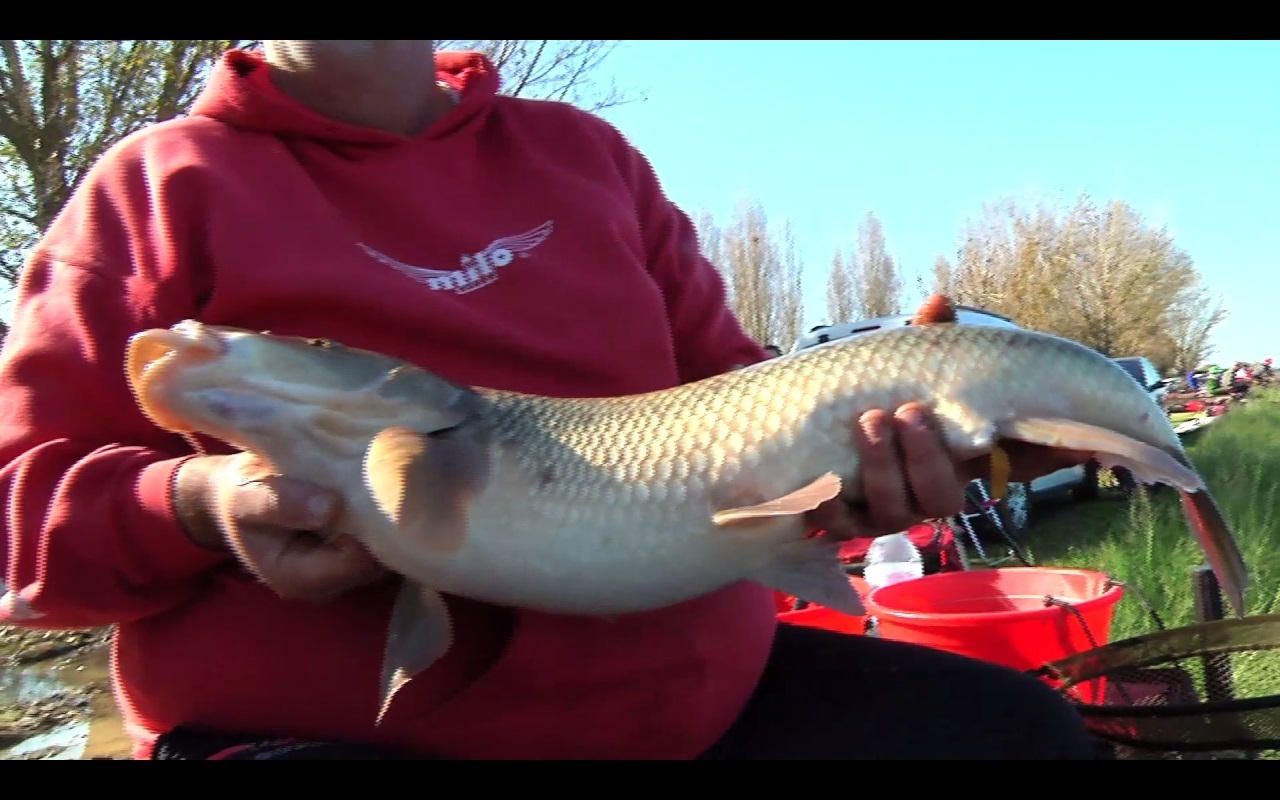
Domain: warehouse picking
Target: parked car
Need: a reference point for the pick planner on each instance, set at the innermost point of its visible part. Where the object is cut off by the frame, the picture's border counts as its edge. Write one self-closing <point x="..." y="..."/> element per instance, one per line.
<point x="1082" y="482"/>
<point x="1148" y="377"/>
<point x="968" y="315"/>
<point x="1145" y="373"/>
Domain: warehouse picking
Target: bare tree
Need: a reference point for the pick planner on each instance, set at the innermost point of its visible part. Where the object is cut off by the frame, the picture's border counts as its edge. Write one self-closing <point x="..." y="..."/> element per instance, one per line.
<point x="1128" y="277"/>
<point x="865" y="282"/>
<point x="1188" y="325"/>
<point x="939" y="282"/>
<point x="710" y="238"/>
<point x="1098" y="275"/>
<point x="64" y="102"/>
<point x="843" y="304"/>
<point x="941" y="275"/>
<point x="550" y="69"/>
<point x="789" y="313"/>
<point x="878" y="285"/>
<point x="993" y="255"/>
<point x="762" y="273"/>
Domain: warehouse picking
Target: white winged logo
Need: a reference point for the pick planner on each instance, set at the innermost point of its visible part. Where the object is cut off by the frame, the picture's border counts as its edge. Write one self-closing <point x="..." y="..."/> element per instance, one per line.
<point x="478" y="270"/>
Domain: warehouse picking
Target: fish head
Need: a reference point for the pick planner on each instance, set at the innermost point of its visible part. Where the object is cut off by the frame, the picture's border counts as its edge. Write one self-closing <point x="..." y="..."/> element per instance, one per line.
<point x="265" y="393"/>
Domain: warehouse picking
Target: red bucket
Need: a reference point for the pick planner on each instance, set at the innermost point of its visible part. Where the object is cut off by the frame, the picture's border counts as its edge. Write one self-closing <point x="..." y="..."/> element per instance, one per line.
<point x="1000" y="615"/>
<point x="814" y="616"/>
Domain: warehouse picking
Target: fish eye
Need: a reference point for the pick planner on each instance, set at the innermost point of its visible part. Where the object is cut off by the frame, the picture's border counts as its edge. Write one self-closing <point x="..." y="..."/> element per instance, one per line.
<point x="327" y="344"/>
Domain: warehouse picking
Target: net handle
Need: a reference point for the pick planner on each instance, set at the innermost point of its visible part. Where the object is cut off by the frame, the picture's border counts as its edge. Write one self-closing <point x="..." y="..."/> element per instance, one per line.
<point x="1050" y="600"/>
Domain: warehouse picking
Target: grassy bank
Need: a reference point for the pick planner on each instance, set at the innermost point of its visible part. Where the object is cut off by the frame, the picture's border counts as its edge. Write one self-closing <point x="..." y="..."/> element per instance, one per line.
<point x="1146" y="542"/>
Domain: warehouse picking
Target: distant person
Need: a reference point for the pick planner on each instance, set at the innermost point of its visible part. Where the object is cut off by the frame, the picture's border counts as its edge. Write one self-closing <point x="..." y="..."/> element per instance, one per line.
<point x="1213" y="381"/>
<point x="386" y="196"/>
<point x="1242" y="380"/>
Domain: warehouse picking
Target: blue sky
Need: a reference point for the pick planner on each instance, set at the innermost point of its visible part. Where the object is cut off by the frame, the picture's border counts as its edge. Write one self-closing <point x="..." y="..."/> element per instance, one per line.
<point x="923" y="133"/>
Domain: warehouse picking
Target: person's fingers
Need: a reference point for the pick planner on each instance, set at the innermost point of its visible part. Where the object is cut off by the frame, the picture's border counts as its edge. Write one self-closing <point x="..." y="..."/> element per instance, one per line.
<point x="938" y="490"/>
<point x="282" y="502"/>
<point x="877" y="452"/>
<point x="300" y="566"/>
<point x="883" y="483"/>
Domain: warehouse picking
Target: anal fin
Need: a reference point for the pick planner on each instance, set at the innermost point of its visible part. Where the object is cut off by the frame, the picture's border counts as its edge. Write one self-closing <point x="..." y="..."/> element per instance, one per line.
<point x="1147" y="464"/>
<point x="419" y="633"/>
<point x="803" y="500"/>
<point x="809" y="569"/>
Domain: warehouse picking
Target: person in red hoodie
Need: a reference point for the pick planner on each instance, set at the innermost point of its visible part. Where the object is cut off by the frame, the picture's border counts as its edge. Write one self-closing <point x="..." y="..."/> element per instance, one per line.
<point x="384" y="195"/>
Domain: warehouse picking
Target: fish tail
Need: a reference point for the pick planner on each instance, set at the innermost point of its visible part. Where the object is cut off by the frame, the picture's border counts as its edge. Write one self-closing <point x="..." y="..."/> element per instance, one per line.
<point x="1219" y="546"/>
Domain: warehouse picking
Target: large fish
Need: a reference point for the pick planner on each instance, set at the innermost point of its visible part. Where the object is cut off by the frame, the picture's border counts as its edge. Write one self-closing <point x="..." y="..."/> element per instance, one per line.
<point x="607" y="506"/>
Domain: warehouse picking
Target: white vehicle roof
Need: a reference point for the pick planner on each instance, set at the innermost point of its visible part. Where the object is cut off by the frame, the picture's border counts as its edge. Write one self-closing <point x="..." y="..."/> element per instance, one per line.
<point x="967" y="315"/>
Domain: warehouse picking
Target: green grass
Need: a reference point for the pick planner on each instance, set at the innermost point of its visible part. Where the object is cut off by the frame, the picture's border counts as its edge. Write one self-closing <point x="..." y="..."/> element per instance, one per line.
<point x="1147" y="544"/>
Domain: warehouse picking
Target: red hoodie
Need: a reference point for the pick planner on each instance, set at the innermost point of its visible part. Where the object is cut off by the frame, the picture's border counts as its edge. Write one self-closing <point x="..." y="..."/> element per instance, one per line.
<point x="516" y="244"/>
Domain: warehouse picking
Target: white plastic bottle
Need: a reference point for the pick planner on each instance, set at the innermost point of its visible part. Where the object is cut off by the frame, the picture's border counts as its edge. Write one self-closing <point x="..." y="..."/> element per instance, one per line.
<point x="892" y="559"/>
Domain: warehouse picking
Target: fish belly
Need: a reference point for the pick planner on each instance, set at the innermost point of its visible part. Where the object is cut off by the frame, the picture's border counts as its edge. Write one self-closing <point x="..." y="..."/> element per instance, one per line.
<point x="607" y="559"/>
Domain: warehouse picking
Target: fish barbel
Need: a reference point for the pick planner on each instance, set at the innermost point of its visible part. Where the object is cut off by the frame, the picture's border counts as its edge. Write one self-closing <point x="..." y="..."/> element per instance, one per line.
<point x="605" y="506"/>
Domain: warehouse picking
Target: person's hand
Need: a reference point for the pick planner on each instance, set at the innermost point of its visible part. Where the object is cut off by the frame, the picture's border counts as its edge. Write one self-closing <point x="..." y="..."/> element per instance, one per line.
<point x="272" y="524"/>
<point x="908" y="476"/>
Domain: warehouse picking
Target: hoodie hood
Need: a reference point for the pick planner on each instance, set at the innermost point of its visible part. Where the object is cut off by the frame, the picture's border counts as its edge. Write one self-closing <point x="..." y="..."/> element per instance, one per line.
<point x="240" y="93"/>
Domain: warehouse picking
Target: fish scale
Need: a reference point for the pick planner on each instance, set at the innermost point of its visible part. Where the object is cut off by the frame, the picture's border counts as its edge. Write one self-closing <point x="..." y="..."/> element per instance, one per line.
<point x="607" y="506"/>
<point x="769" y="417"/>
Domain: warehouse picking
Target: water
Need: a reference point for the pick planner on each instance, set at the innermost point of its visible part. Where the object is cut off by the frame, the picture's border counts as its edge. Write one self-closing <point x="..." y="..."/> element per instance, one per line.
<point x="89" y="724"/>
<point x="21" y="687"/>
<point x="64" y="743"/>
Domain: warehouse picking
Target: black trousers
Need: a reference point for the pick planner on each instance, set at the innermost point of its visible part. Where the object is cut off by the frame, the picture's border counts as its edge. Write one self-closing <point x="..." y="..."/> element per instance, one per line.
<point x="826" y="696"/>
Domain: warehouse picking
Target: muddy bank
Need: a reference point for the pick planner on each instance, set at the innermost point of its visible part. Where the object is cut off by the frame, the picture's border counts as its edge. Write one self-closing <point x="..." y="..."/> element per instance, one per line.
<point x="55" y="696"/>
<point x="20" y="647"/>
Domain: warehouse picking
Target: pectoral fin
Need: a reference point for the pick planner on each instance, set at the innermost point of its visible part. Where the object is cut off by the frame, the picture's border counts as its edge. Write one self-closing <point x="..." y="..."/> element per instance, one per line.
<point x="424" y="483"/>
<point x="1148" y="464"/>
<point x="801" y="501"/>
<point x="439" y="404"/>
<point x="418" y="634"/>
<point x="809" y="569"/>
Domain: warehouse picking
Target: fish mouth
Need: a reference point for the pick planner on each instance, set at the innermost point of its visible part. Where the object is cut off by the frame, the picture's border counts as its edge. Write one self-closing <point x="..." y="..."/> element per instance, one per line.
<point x="156" y="360"/>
